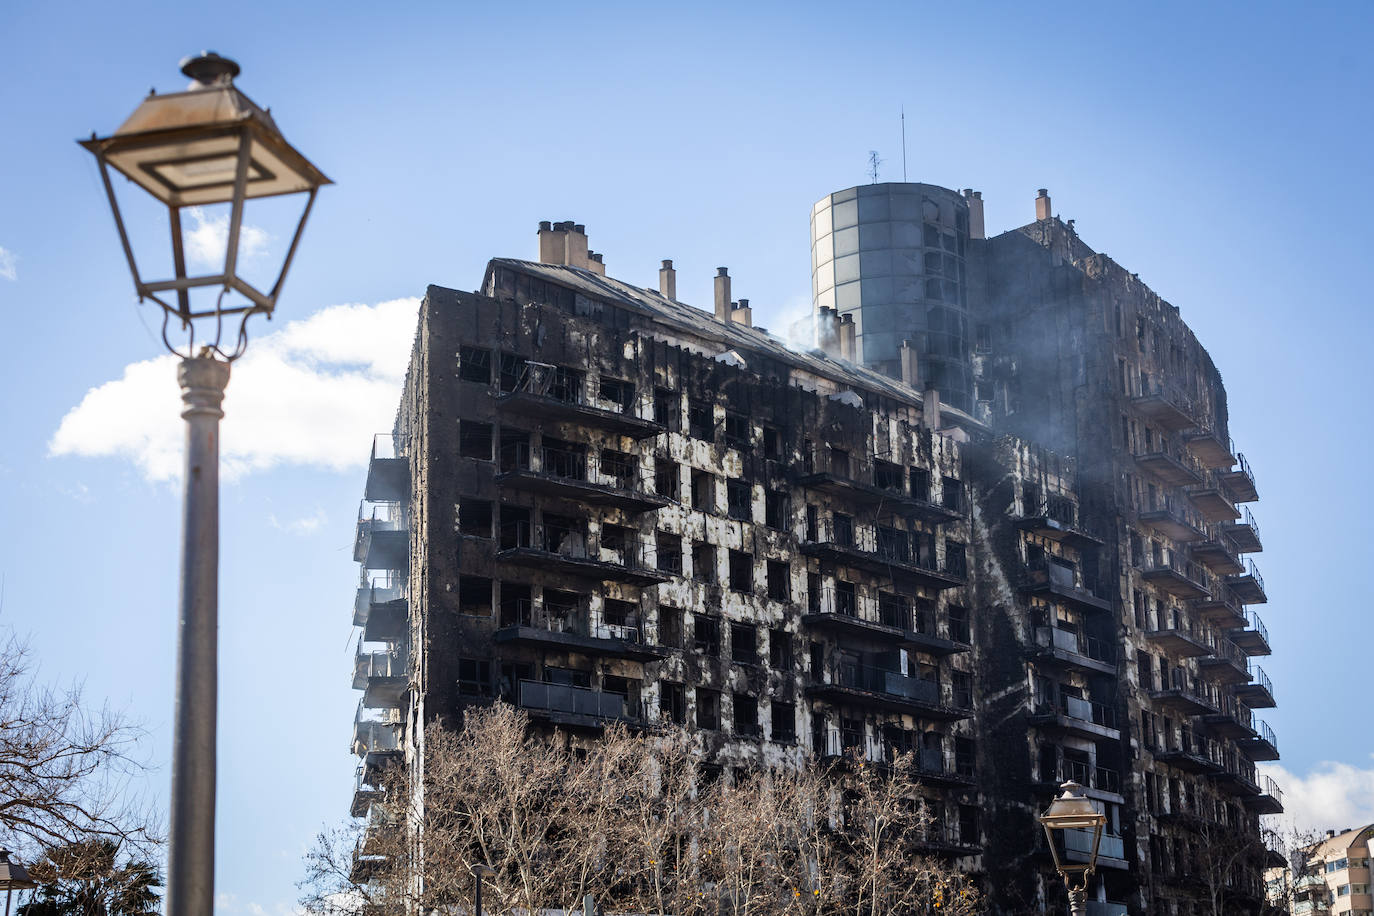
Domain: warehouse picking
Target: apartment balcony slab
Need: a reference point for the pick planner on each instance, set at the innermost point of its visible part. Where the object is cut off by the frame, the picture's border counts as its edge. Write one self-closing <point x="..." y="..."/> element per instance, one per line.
<point x="1259" y="747"/>
<point x="1181" y="700"/>
<point x="1221" y="611"/>
<point x="386" y="621"/>
<point x="1171" y="524"/>
<point x="1247" y="587"/>
<point x="1167" y="469"/>
<point x="1254" y="639"/>
<point x="1212" y="504"/>
<point x="1223" y="667"/>
<point x="1177" y="642"/>
<point x="1189" y="761"/>
<point x="1268" y="801"/>
<point x="1218" y="556"/>
<point x="583" y="491"/>
<point x="881" y="498"/>
<point x="1178" y="583"/>
<point x="1234" y="781"/>
<point x="1163" y="410"/>
<point x="890" y="690"/>
<point x="1052" y="528"/>
<point x="1245" y="535"/>
<point x="1073" y="650"/>
<point x="575" y="707"/>
<point x="582" y="567"/>
<point x="882" y="564"/>
<point x="546" y="407"/>
<point x="1226" y="725"/>
<point x="1256" y="695"/>
<point x="382" y="543"/>
<point x="1239" y="483"/>
<point x="1077" y="717"/>
<point x="606" y="642"/>
<point x="388" y="479"/>
<point x="1209" y="449"/>
<point x="363" y="799"/>
<point x="1065" y="591"/>
<point x="872" y="629"/>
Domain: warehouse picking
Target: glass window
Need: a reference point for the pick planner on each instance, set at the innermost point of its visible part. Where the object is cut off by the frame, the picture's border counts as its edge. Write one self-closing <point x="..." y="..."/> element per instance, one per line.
<point x="847" y="268"/>
<point x="846" y="214"/>
<point x="846" y="241"/>
<point x="875" y="235"/>
<point x="873" y="207"/>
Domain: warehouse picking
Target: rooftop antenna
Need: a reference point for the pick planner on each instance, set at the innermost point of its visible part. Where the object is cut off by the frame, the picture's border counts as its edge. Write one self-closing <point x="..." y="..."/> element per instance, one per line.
<point x="903" y="144"/>
<point x="874" y="160"/>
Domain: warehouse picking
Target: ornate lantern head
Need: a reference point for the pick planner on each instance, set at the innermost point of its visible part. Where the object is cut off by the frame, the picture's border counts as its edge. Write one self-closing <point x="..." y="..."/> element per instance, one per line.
<point x="1072" y="811"/>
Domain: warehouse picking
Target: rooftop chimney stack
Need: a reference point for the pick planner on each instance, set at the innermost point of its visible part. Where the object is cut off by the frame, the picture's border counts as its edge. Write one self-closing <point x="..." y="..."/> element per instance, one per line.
<point x="577" y="246"/>
<point x="909" y="364"/>
<point x="930" y="409"/>
<point x="667" y="280"/>
<point x="1042" y="204"/>
<point x="566" y="243"/>
<point x="596" y="264"/>
<point x="974" y="199"/>
<point x="552" y="243"/>
<point x="847" y="337"/>
<point x="742" y="314"/>
<point x="827" y="334"/>
<point x="722" y="294"/>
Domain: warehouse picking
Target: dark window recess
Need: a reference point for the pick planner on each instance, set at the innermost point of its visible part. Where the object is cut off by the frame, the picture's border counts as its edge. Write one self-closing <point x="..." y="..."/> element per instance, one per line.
<point x="474" y="677"/>
<point x="843" y="529"/>
<point x="700" y="422"/>
<point x="474" y="518"/>
<point x="619" y="613"/>
<point x="741" y="571"/>
<point x="515" y="527"/>
<point x="672" y="702"/>
<point x="746" y="714"/>
<point x="514" y="450"/>
<point x="817" y="661"/>
<point x="512" y="673"/>
<point x="962" y="682"/>
<point x="839" y="462"/>
<point x="566" y="385"/>
<point x="808" y="457"/>
<point x="706" y="635"/>
<point x="703" y="495"/>
<point x="622" y="467"/>
<point x="784" y="716"/>
<point x="813" y="523"/>
<point x="851" y="733"/>
<point x="708" y="708"/>
<point x="887" y="476"/>
<point x="959" y="624"/>
<point x="893" y="544"/>
<point x="670" y="627"/>
<point x="619" y="392"/>
<point x="955" y="562"/>
<point x="565" y="459"/>
<point x="666" y="408"/>
<point x="775" y="510"/>
<point x="779" y="580"/>
<point x="704" y="562"/>
<point x="736" y="429"/>
<point x="474" y="440"/>
<point x="893" y="611"/>
<point x="474" y="365"/>
<point x="772" y="443"/>
<point x="744" y="643"/>
<point x="669" y="553"/>
<point x="984" y="390"/>
<point x="779" y="649"/>
<point x="666" y="479"/>
<point x="952" y="494"/>
<point x="964" y="756"/>
<point x="813" y="593"/>
<point x="982" y="336"/>
<point x="919" y="481"/>
<point x="1030" y="498"/>
<point x="968" y="825"/>
<point x="846" y="599"/>
<point x="474" y="596"/>
<point x="512" y="371"/>
<point x="617" y="538"/>
<point x="517" y="605"/>
<point x="739" y="497"/>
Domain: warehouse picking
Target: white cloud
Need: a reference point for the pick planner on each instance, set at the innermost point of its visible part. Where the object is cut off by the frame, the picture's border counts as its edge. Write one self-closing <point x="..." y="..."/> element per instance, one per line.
<point x="9" y="268"/>
<point x="1332" y="796"/>
<point x="208" y="239"/>
<point x="309" y="394"/>
<point x="303" y="526"/>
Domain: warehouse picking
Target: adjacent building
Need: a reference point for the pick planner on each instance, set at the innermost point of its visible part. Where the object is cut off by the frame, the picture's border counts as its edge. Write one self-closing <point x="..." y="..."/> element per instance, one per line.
<point x="993" y="518"/>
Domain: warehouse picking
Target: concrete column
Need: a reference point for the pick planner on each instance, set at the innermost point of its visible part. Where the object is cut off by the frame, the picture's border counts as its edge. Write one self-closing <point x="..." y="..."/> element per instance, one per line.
<point x="191" y="836"/>
<point x="1042" y="204"/>
<point x="976" y="228"/>
<point x="667" y="280"/>
<point x="909" y="364"/>
<point x="722" y="294"/>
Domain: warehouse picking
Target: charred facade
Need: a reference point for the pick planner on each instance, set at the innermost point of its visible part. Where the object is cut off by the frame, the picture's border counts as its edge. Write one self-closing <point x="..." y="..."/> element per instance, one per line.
<point x="990" y="520"/>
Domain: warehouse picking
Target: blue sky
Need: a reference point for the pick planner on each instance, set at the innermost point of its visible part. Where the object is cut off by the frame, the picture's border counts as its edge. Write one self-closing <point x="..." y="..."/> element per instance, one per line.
<point x="1220" y="150"/>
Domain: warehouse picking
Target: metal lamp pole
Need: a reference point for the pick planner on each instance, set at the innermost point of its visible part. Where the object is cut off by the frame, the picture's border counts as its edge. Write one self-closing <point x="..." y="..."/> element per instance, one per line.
<point x="480" y="871"/>
<point x="1073" y="811"/>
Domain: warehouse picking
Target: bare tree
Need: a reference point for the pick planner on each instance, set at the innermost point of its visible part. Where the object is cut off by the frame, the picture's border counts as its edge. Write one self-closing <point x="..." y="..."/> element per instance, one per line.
<point x="66" y="771"/>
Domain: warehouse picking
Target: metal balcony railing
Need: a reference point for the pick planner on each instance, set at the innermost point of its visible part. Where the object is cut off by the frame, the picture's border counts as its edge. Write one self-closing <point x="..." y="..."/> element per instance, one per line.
<point x="1088" y="711"/>
<point x="389" y="664"/>
<point x="1253" y="571"/>
<point x="573" y="620"/>
<point x="1270" y="788"/>
<point x="1078" y="643"/>
<point x="569" y="464"/>
<point x="381" y="516"/>
<point x="1258" y="676"/>
<point x="891" y="683"/>
<point x="1223" y="648"/>
<point x="1081" y="841"/>
<point x="1253" y="622"/>
<point x="574" y="543"/>
<point x="582" y="701"/>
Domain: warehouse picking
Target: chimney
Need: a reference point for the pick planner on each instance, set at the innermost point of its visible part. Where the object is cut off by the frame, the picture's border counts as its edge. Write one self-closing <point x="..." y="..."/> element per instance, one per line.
<point x="909" y="366"/>
<point x="974" y="199"/>
<point x="742" y="314"/>
<point x="667" y="280"/>
<point x="722" y="294"/>
<point x="1042" y="204"/>
<point x="595" y="263"/>
<point x="827" y="334"/>
<point x="577" y="246"/>
<point x="552" y="244"/>
<point x="930" y="409"/>
<point x="847" y="337"/>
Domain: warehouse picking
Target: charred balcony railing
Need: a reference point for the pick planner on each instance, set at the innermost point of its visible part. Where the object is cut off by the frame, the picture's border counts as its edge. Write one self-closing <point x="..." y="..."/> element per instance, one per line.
<point x="564" y="704"/>
<point x="1170" y="469"/>
<point x="1217" y="553"/>
<point x="1245" y="534"/>
<point x="1064" y="581"/>
<point x="563" y="473"/>
<point x="885" y="619"/>
<point x="1211" y="499"/>
<point x="388" y="469"/>
<point x="572" y="628"/>
<point x="1248" y="586"/>
<point x="365" y="791"/>
<point x="1184" y="694"/>
<point x="1269" y="800"/>
<point x="1176" y="637"/>
<point x="1259" y="692"/>
<point x="1078" y="715"/>
<point x="1077" y="649"/>
<point x="376" y="735"/>
<point x="1240" y="481"/>
<point x="1056" y="518"/>
<point x="383" y="536"/>
<point x="570" y="549"/>
<point x="1173" y="519"/>
<point x="1262" y="743"/>
<point x="1166" y="406"/>
<point x="1220" y="607"/>
<point x="1225" y="662"/>
<point x="887" y="689"/>
<point x="885" y="552"/>
<point x="546" y="392"/>
<point x="1253" y="639"/>
<point x="382" y="676"/>
<point x="854" y="478"/>
<point x="1176" y="576"/>
<point x="1233" y="720"/>
<point x="1188" y="752"/>
<point x="375" y="597"/>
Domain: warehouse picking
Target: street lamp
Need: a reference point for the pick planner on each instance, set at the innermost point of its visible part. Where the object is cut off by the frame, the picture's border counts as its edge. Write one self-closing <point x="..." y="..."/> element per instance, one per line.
<point x="1071" y="811"/>
<point x="13" y="877"/>
<point x="480" y="871"/>
<point x="207" y="145"/>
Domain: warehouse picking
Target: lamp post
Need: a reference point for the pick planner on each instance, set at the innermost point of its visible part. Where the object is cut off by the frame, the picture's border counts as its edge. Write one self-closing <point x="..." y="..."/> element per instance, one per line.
<point x="13" y="877"/>
<point x="208" y="145"/>
<point x="1072" y="811"/>
<point x="480" y="871"/>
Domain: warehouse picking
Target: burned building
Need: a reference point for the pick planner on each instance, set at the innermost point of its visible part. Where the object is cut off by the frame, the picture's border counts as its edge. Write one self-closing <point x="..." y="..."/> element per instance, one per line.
<point x="990" y="519"/>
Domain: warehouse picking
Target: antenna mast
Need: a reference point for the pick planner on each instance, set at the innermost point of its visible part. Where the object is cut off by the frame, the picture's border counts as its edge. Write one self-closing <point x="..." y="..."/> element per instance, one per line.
<point x="903" y="144"/>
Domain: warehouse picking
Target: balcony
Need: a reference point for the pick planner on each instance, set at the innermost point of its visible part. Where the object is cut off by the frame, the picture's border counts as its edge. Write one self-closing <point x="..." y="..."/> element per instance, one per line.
<point x="1220" y="608"/>
<point x="1269" y="800"/>
<point x="1062" y="581"/>
<point x="523" y="624"/>
<point x="1239" y="482"/>
<point x="566" y="551"/>
<point x="1225" y="663"/>
<point x="382" y="676"/>
<point x="1259" y="693"/>
<point x="365" y="792"/>
<point x="383" y="537"/>
<point x="1057" y="521"/>
<point x="860" y="547"/>
<point x="539" y="397"/>
<point x="1190" y="755"/>
<point x="1078" y="847"/>
<point x="1254" y="639"/>
<point x="884" y="689"/>
<point x="1244" y="534"/>
<point x="1209" y="449"/>
<point x="1075" y="650"/>
<point x="1179" y="643"/>
<point x="1262" y="744"/>
<point x="563" y="475"/>
<point x="1167" y="469"/>
<point x="841" y="477"/>
<point x="1212" y="504"/>
<point x="1217" y="555"/>
<point x="1182" y="695"/>
<point x="1234" y="721"/>
<point x="379" y="607"/>
<point x="1236" y="775"/>
<point x="1171" y="521"/>
<point x="1077" y="716"/>
<point x="376" y="737"/>
<point x="1248" y="585"/>
<point x="1164" y="407"/>
<point x="1180" y="579"/>
<point x="864" y="618"/>
<point x="576" y="707"/>
<point x="388" y="470"/>
<point x="1098" y="782"/>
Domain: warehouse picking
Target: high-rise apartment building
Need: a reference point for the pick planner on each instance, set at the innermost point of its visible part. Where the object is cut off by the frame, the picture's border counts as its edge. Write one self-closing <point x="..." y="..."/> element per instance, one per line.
<point x="1334" y="876"/>
<point x="993" y="519"/>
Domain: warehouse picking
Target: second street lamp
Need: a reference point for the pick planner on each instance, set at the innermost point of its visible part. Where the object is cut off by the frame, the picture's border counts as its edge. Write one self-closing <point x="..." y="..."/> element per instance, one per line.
<point x="207" y="145"/>
<point x="1072" y="811"/>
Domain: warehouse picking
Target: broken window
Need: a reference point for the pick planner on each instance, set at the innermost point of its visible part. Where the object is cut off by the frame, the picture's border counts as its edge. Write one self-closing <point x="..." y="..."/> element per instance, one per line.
<point x="670" y="627"/>
<point x="666" y="408"/>
<point x="736" y="429"/>
<point x="669" y="553"/>
<point x="515" y="527"/>
<point x="846" y="598"/>
<point x="566" y="385"/>
<point x="813" y="593"/>
<point x="746" y="714"/>
<point x="700" y="421"/>
<point x="842" y="529"/>
<point x="703" y="493"/>
<point x="741" y="571"/>
<point x="812" y="523"/>
<point x="772" y="443"/>
<point x="563" y="609"/>
<point x="955" y="563"/>
<point x="919" y="482"/>
<point x="474" y="518"/>
<point x="474" y="596"/>
<point x="666" y="480"/>
<point x="565" y="535"/>
<point x="779" y="580"/>
<point x="517" y="606"/>
<point x="706" y="635"/>
<point x="968" y="825"/>
<point x="739" y="500"/>
<point x="962" y="682"/>
<point x="1030" y="498"/>
<point x="618" y="540"/>
<point x="893" y="611"/>
<point x="784" y="721"/>
<point x="704" y="562"/>
<point x="959" y="624"/>
<point x="618" y="613"/>
<point x="623" y="468"/>
<point x="839" y="462"/>
<point x="474" y="677"/>
<point x="474" y="365"/>
<point x="564" y="459"/>
<point x="779" y="649"/>
<point x="744" y="643"/>
<point x="965" y="752"/>
<point x="618" y="392"/>
<point x="474" y="440"/>
<point x="892" y="544"/>
<point x="952" y="494"/>
<point x="514" y="451"/>
<point x="672" y="702"/>
<point x="708" y="708"/>
<point x="775" y="510"/>
<point x="512" y="372"/>
<point x="887" y="476"/>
